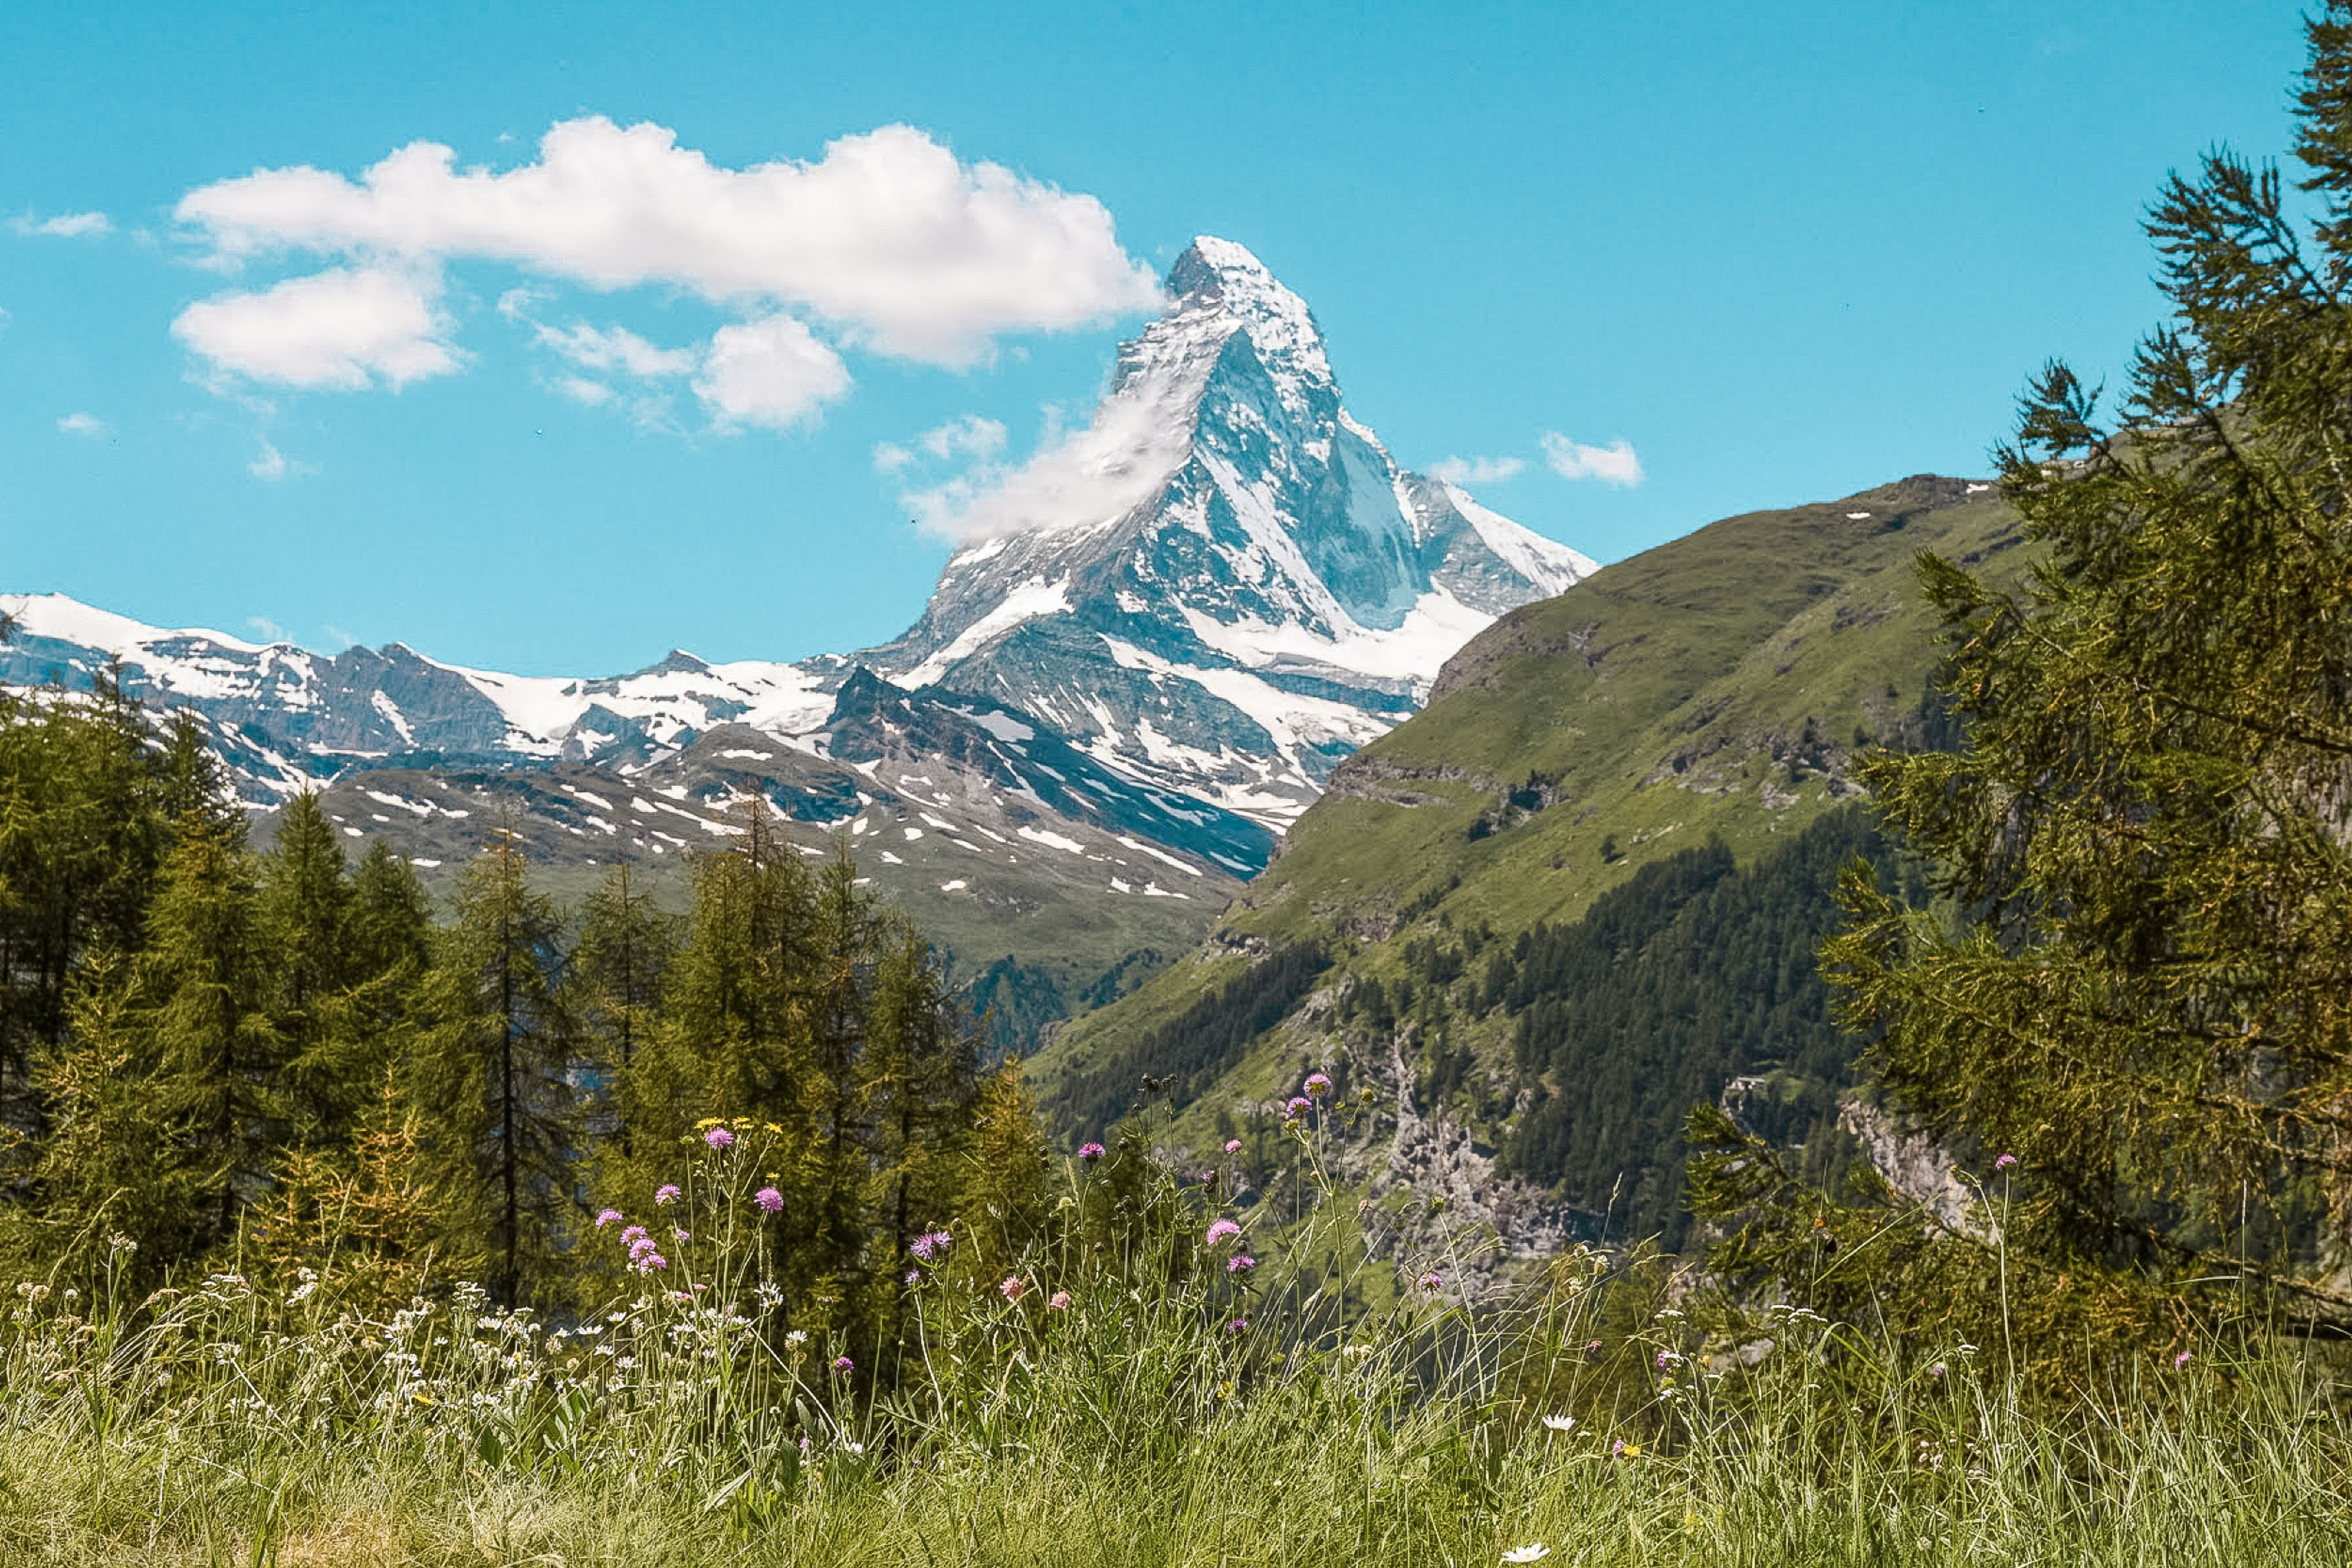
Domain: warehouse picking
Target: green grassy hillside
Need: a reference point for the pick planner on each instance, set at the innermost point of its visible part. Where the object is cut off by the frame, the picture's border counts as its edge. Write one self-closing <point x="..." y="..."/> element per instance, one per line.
<point x="1714" y="690"/>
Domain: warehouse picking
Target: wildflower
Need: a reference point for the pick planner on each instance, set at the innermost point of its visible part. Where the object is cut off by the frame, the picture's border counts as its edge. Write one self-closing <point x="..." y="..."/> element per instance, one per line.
<point x="2004" y="1163"/>
<point x="1232" y="1145"/>
<point x="1237" y="1325"/>
<point x="1622" y="1450"/>
<point x="1239" y="1263"/>
<point x="1938" y="1370"/>
<point x="1560" y="1423"/>
<point x="1319" y="1085"/>
<point x="1090" y="1152"/>
<point x="843" y="1366"/>
<point x="639" y="1248"/>
<point x="1013" y="1289"/>
<point x="914" y="1277"/>
<point x="1059" y="1301"/>
<point x="2180" y="1361"/>
<point x="930" y="1244"/>
<point x="666" y="1193"/>
<point x="608" y="1216"/>
<point x="719" y="1138"/>
<point x="1433" y="1280"/>
<point x="1297" y="1108"/>
<point x="768" y="1199"/>
<point x="650" y="1261"/>
<point x="1593" y="1347"/>
<point x="633" y="1235"/>
<point x="680" y="1232"/>
<point x="121" y="1243"/>
<point x="797" y="1337"/>
<point x="1222" y="1231"/>
<point x="1535" y="1552"/>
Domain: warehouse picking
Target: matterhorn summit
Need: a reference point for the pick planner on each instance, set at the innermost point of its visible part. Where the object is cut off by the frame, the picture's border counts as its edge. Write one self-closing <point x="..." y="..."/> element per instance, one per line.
<point x="1223" y="584"/>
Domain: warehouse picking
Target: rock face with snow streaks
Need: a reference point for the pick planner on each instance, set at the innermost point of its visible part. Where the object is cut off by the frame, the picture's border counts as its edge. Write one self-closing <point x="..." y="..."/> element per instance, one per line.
<point x="1225" y="584"/>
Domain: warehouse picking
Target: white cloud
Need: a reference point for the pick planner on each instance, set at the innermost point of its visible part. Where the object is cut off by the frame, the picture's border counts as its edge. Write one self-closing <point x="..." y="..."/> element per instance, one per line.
<point x="273" y="465"/>
<point x="1474" y="470"/>
<point x="84" y="425"/>
<point x="579" y="389"/>
<point x="616" y="348"/>
<point x="1614" y="464"/>
<point x="267" y="629"/>
<point x="887" y="237"/>
<point x="66" y="226"/>
<point x="343" y="328"/>
<point x="973" y="436"/>
<point x="772" y="371"/>
<point x="1084" y="477"/>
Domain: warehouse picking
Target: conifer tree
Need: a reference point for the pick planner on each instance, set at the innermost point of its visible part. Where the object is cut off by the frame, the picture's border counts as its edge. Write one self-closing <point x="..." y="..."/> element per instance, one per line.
<point x="214" y="1060"/>
<point x="492" y="1084"/>
<point x="617" y="970"/>
<point x="306" y="919"/>
<point x="2149" y="1008"/>
<point x="919" y="1071"/>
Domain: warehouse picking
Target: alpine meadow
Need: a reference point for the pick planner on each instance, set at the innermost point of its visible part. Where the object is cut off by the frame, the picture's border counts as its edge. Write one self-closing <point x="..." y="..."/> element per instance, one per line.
<point x="1289" y="1017"/>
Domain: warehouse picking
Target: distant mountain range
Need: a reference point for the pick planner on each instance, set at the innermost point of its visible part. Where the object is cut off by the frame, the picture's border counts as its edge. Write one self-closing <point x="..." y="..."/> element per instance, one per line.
<point x="1157" y="643"/>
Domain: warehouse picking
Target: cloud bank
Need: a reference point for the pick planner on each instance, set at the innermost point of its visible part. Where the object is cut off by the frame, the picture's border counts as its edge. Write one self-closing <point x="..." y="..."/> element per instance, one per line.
<point x="1614" y="464"/>
<point x="888" y="241"/>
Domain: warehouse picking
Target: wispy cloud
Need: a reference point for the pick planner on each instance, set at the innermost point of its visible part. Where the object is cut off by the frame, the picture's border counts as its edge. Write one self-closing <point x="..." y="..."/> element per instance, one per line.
<point x="65" y="226"/>
<point x="970" y="435"/>
<point x="1614" y="464"/>
<point x="88" y="424"/>
<point x="1476" y="470"/>
<point x="270" y="465"/>
<point x="267" y="630"/>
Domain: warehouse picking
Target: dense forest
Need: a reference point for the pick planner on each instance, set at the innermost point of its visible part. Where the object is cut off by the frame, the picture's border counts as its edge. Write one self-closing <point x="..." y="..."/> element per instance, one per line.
<point x="215" y="1058"/>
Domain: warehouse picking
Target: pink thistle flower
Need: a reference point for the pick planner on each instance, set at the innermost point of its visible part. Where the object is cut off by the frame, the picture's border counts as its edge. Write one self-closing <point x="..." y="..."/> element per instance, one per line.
<point x="1222" y="1231"/>
<point x="768" y="1199"/>
<point x="633" y="1235"/>
<point x="643" y="1244"/>
<point x="719" y="1138"/>
<point x="1059" y="1300"/>
<point x="1433" y="1280"/>
<point x="1232" y="1145"/>
<point x="930" y="1244"/>
<point x="666" y="1193"/>
<point x="650" y="1261"/>
<point x="1090" y="1152"/>
<point x="1297" y="1108"/>
<point x="1318" y="1085"/>
<point x="608" y="1216"/>
<point x="843" y="1366"/>
<point x="2004" y="1163"/>
<point x="1013" y="1289"/>
<point x="1239" y="1263"/>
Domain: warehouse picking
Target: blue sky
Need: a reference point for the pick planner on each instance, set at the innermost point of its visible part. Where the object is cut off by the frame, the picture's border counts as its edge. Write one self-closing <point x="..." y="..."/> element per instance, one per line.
<point x="1784" y="251"/>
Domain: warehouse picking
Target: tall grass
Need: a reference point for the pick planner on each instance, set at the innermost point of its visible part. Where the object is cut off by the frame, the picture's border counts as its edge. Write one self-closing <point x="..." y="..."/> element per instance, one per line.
<point x="1123" y="1396"/>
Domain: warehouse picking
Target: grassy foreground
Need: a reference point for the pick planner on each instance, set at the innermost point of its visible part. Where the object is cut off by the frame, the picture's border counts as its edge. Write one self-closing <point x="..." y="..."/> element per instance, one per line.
<point x="1145" y="1399"/>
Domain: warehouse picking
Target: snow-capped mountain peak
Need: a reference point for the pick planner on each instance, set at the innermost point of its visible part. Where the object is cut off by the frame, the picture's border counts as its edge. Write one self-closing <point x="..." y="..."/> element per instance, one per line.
<point x="1224" y="582"/>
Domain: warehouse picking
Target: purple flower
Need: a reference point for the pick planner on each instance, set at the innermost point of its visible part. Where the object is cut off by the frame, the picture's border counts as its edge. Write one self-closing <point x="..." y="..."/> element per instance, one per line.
<point x="2004" y="1163"/>
<point x="930" y="1244"/>
<point x="1318" y="1085"/>
<point x="1237" y="1325"/>
<point x="1222" y="1231"/>
<point x="1239" y="1263"/>
<point x="1091" y="1152"/>
<point x="633" y="1235"/>
<point x="768" y="1199"/>
<point x="914" y="1277"/>
<point x="719" y="1138"/>
<point x="843" y="1366"/>
<point x="608" y="1216"/>
<point x="1232" y="1145"/>
<point x="1059" y="1301"/>
<point x="649" y="1260"/>
<point x="1297" y="1108"/>
<point x="2180" y="1361"/>
<point x="1665" y="1359"/>
<point x="1013" y="1288"/>
<point x="680" y="1232"/>
<point x="1433" y="1280"/>
<point x="643" y="1244"/>
<point x="666" y="1193"/>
